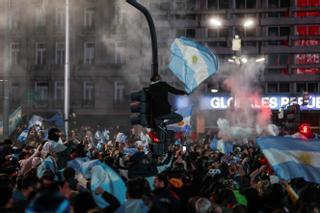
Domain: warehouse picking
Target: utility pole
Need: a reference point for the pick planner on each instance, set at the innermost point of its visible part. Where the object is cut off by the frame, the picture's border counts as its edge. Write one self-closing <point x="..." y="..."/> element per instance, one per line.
<point x="6" y="73"/>
<point x="145" y="12"/>
<point x="67" y="72"/>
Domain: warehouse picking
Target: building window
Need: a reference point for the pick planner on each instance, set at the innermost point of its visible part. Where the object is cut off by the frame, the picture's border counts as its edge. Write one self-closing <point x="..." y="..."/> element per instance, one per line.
<point x="88" y="93"/>
<point x="14" y="53"/>
<point x="60" y="53"/>
<point x="42" y="91"/>
<point x="189" y="33"/>
<point x="217" y="4"/>
<point x="89" y="18"/>
<point x="14" y="93"/>
<point x="301" y="87"/>
<point x="185" y="4"/>
<point x="160" y="6"/>
<point x="308" y="3"/>
<point x="278" y="59"/>
<point x="60" y="18"/>
<point x="58" y="93"/>
<point x="40" y="18"/>
<point x="13" y="19"/>
<point x="118" y="91"/>
<point x="89" y="53"/>
<point x="216" y="33"/>
<point x="40" y="53"/>
<point x="272" y="87"/>
<point x="120" y="53"/>
<point x="278" y="3"/>
<point x="307" y="30"/>
<point x="278" y="31"/>
<point x="244" y="32"/>
<point x="284" y="87"/>
<point x="245" y="4"/>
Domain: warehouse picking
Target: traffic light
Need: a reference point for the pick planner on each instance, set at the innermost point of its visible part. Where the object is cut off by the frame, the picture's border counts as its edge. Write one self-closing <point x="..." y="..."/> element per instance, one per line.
<point x="305" y="130"/>
<point x="140" y="106"/>
<point x="292" y="117"/>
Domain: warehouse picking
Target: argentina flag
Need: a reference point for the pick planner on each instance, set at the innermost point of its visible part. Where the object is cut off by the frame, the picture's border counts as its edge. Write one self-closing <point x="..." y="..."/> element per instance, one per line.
<point x="191" y="62"/>
<point x="221" y="146"/>
<point x="292" y="157"/>
<point x="185" y="124"/>
<point x="105" y="177"/>
<point x="23" y="136"/>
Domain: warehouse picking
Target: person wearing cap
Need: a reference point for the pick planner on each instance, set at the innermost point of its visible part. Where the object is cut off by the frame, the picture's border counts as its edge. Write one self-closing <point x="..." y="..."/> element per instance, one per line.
<point x="161" y="109"/>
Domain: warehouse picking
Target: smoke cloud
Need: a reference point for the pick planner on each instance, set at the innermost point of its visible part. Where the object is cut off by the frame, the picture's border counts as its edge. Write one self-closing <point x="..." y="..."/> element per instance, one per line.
<point x="247" y="117"/>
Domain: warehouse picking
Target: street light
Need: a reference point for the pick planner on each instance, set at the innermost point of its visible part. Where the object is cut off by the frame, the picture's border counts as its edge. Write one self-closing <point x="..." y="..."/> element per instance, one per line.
<point x="214" y="90"/>
<point x="260" y="60"/>
<point x="244" y="60"/>
<point x="248" y="23"/>
<point x="215" y="22"/>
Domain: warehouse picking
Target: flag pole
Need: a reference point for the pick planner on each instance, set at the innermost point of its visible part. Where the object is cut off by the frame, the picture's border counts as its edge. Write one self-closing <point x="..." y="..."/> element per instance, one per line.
<point x="67" y="72"/>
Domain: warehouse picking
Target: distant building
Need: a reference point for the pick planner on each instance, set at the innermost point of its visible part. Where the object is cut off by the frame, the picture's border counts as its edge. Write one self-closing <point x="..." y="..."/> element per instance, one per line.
<point x="111" y="51"/>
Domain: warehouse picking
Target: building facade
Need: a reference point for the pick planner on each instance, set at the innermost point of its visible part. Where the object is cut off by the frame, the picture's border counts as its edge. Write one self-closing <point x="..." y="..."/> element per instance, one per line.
<point x="285" y="33"/>
<point x="35" y="35"/>
<point x="111" y="51"/>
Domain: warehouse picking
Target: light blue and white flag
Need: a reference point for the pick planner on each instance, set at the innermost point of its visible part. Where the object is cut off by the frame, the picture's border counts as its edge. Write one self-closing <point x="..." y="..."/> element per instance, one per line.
<point x="221" y="146"/>
<point x="105" y="177"/>
<point x="185" y="124"/>
<point x="35" y="121"/>
<point x="106" y="134"/>
<point x="191" y="62"/>
<point x="23" y="136"/>
<point x="58" y="121"/>
<point x="292" y="157"/>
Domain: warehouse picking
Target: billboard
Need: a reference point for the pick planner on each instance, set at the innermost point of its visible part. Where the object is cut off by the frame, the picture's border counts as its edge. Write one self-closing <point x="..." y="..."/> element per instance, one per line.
<point x="224" y="101"/>
<point x="274" y="102"/>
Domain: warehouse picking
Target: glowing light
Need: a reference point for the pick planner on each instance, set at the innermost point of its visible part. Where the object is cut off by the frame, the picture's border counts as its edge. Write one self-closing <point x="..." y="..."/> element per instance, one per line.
<point x="248" y="23"/>
<point x="215" y="22"/>
<point x="214" y="90"/>
<point x="230" y="60"/>
<point x="244" y="60"/>
<point x="259" y="60"/>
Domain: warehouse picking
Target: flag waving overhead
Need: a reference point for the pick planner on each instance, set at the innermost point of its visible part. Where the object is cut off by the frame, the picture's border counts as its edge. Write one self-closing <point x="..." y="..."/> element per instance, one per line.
<point x="292" y="157"/>
<point x="191" y="62"/>
<point x="184" y="125"/>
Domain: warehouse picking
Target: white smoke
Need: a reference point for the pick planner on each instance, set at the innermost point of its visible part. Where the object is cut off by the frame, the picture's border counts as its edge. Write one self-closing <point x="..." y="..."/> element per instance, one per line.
<point x="247" y="118"/>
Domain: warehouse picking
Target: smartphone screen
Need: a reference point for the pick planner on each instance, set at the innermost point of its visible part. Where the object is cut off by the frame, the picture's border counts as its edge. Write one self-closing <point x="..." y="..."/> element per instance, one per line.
<point x="184" y="148"/>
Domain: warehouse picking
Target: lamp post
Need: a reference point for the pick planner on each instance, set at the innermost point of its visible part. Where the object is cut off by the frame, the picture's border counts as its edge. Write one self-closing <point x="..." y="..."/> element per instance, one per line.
<point x="67" y="72"/>
<point x="5" y="81"/>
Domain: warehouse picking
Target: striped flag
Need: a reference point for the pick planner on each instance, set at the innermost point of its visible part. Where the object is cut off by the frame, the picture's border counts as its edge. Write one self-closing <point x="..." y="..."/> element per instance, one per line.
<point x="191" y="62"/>
<point x="185" y="124"/>
<point x="23" y="135"/>
<point x="292" y="157"/>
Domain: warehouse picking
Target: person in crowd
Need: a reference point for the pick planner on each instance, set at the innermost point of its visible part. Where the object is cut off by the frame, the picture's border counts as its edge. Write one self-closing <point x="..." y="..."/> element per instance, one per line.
<point x="198" y="179"/>
<point x="161" y="109"/>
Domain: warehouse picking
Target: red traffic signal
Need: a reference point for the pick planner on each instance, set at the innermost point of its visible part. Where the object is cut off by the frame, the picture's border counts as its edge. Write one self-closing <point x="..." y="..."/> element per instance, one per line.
<point x="305" y="130"/>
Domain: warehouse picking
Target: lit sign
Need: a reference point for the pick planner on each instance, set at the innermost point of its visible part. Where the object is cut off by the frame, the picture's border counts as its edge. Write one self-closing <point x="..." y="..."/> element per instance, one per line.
<point x="274" y="102"/>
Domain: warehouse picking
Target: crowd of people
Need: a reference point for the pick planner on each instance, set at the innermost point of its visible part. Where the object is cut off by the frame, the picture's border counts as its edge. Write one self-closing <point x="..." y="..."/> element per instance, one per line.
<point x="99" y="170"/>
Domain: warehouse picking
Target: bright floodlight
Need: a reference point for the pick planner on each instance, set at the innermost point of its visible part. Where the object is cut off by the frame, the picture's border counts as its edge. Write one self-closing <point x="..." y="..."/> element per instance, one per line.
<point x="248" y="23"/>
<point x="230" y="60"/>
<point x="214" y="90"/>
<point x="215" y="22"/>
<point x="244" y="60"/>
<point x="262" y="59"/>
